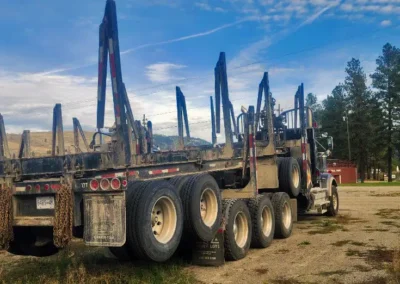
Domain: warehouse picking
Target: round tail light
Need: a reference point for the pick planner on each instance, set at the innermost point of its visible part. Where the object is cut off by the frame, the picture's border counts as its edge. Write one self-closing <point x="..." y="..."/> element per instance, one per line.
<point x="115" y="183"/>
<point x="94" y="184"/>
<point x="105" y="184"/>
<point x="124" y="183"/>
<point x="46" y="187"/>
<point x="37" y="187"/>
<point x="28" y="187"/>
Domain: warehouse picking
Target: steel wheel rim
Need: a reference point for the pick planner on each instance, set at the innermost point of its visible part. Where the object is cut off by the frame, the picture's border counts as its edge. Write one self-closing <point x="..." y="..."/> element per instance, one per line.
<point x="335" y="201"/>
<point x="163" y="219"/>
<point x="266" y="221"/>
<point x="286" y="215"/>
<point x="240" y="229"/>
<point x="308" y="176"/>
<point x="208" y="207"/>
<point x="295" y="176"/>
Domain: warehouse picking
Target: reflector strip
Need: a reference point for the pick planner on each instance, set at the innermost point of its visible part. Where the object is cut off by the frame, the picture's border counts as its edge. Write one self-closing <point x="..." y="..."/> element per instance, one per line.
<point x="165" y="171"/>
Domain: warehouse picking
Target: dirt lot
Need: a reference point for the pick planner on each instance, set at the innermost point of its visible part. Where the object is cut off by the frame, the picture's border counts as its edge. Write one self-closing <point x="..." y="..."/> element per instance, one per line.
<point x="357" y="247"/>
<point x="350" y="249"/>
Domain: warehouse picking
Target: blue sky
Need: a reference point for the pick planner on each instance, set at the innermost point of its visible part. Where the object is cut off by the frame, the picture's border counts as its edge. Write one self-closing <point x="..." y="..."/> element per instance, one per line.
<point x="48" y="53"/>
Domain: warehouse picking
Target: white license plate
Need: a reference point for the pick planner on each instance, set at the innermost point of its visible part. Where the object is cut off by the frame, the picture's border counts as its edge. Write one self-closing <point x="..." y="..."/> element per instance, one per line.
<point x="46" y="202"/>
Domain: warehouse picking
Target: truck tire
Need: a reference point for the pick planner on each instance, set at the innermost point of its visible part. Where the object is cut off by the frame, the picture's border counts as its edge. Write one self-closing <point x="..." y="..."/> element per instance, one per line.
<point x="283" y="215"/>
<point x="125" y="253"/>
<point x="308" y="173"/>
<point x="237" y="234"/>
<point x="263" y="221"/>
<point x="178" y="182"/>
<point x="201" y="198"/>
<point x="289" y="176"/>
<point x="333" y="207"/>
<point x="155" y="221"/>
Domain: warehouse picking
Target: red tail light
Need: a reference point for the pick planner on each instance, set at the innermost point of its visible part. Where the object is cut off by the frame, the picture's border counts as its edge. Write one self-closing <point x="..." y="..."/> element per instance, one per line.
<point x="46" y="187"/>
<point x="55" y="186"/>
<point x="28" y="187"/>
<point x="105" y="184"/>
<point x="37" y="187"/>
<point x="115" y="183"/>
<point x="94" y="184"/>
<point x="124" y="183"/>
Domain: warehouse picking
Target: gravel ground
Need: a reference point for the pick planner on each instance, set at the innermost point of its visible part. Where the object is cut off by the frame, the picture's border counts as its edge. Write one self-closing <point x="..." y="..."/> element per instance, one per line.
<point x="356" y="247"/>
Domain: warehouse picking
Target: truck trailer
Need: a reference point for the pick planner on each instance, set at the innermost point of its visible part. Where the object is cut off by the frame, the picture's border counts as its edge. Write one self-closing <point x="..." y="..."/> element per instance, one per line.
<point x="141" y="203"/>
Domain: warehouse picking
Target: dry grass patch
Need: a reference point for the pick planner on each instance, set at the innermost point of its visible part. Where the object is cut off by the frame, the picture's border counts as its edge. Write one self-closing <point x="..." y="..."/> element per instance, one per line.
<point x="378" y="258"/>
<point x="389" y="194"/>
<point x="345" y="242"/>
<point x="391" y="223"/>
<point x="362" y="268"/>
<point x="287" y="281"/>
<point x="261" y="271"/>
<point x="325" y="226"/>
<point x="388" y="213"/>
<point x="376" y="230"/>
<point x="395" y="267"/>
<point x="304" y="243"/>
<point x="334" y="272"/>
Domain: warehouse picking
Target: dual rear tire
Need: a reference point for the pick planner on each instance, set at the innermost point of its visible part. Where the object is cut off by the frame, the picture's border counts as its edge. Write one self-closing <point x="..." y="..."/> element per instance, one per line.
<point x="159" y="212"/>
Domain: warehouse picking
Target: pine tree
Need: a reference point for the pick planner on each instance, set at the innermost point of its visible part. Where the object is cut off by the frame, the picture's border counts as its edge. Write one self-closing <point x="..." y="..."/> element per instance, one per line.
<point x="359" y="99"/>
<point x="332" y="121"/>
<point x="312" y="103"/>
<point x="386" y="80"/>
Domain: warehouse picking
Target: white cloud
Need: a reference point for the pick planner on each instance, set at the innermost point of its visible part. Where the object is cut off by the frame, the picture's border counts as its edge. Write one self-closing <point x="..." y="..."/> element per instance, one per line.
<point x="162" y="72"/>
<point x="203" y="6"/>
<point x="207" y="7"/>
<point x="386" y="23"/>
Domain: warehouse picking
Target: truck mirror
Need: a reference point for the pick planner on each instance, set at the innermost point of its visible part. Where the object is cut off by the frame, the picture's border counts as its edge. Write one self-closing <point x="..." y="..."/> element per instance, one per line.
<point x="330" y="142"/>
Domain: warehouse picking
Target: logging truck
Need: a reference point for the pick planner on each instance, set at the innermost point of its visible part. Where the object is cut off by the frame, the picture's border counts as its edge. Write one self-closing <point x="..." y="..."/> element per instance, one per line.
<point x="142" y="204"/>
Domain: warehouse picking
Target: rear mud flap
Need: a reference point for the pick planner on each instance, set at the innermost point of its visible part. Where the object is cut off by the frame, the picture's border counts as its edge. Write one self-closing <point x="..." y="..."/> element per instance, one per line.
<point x="104" y="219"/>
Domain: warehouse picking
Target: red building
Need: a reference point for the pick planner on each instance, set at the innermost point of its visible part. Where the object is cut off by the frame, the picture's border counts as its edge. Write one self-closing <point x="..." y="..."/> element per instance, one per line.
<point x="343" y="171"/>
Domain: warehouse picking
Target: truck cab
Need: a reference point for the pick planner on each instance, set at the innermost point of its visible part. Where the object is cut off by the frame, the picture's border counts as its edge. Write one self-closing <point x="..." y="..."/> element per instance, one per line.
<point x="295" y="132"/>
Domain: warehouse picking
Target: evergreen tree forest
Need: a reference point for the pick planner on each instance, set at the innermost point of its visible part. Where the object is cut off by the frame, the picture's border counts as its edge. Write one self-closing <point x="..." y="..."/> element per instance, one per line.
<point x="365" y="116"/>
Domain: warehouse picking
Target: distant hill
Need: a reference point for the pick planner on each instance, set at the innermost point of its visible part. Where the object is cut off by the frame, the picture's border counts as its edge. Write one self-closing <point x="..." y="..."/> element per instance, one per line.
<point x="41" y="142"/>
<point x="170" y="142"/>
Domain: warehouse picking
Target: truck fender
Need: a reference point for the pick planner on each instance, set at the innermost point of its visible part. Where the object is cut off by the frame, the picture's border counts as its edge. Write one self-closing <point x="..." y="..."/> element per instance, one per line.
<point x="327" y="180"/>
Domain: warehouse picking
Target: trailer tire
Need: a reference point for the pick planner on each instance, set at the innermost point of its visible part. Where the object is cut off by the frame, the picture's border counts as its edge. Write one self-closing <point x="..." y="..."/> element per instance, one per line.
<point x="333" y="207"/>
<point x="179" y="182"/>
<point x="263" y="221"/>
<point x="289" y="176"/>
<point x="283" y="215"/>
<point x="155" y="221"/>
<point x="308" y="173"/>
<point x="201" y="198"/>
<point x="237" y="234"/>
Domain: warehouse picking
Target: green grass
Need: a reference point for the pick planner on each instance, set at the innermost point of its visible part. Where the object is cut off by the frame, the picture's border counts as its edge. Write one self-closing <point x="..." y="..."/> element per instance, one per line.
<point x="383" y="183"/>
<point x="91" y="266"/>
<point x="304" y="243"/>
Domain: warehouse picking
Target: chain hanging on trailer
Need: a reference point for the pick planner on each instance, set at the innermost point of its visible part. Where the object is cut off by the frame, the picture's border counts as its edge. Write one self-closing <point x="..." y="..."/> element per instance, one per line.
<point x="6" y="228"/>
<point x="63" y="219"/>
